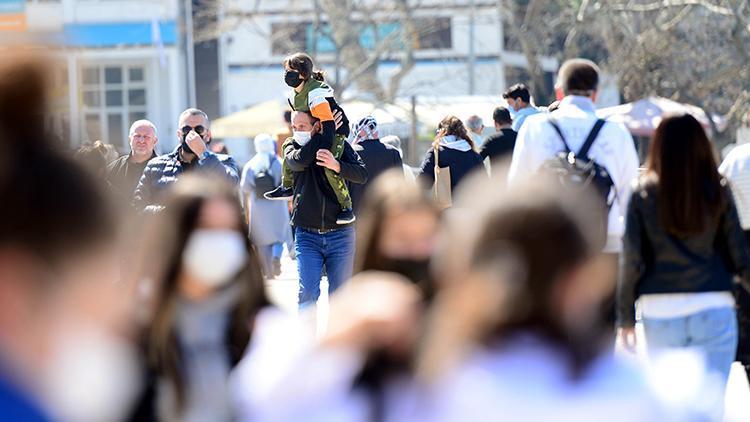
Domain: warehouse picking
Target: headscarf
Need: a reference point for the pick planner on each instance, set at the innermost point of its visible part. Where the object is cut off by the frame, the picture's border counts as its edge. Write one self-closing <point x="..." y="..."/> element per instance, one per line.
<point x="265" y="149"/>
<point x="366" y="128"/>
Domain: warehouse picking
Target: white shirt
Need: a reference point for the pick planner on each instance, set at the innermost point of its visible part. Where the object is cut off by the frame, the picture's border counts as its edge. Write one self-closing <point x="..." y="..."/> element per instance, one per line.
<point x="736" y="168"/>
<point x="614" y="149"/>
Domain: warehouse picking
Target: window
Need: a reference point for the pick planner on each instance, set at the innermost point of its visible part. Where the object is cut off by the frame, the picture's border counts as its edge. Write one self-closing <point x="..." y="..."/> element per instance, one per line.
<point x="112" y="97"/>
<point x="289" y="37"/>
<point x="434" y="34"/>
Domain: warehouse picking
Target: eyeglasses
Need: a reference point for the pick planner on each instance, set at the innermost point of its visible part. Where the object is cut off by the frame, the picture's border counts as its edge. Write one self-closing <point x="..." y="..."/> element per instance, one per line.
<point x="198" y="129"/>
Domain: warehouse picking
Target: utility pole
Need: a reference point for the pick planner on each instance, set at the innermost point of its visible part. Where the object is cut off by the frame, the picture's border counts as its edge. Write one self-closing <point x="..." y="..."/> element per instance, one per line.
<point x="190" y="53"/>
<point x="472" y="58"/>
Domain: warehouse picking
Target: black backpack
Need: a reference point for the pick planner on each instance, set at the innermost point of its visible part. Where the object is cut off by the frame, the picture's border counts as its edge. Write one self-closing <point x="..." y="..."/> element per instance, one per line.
<point x="264" y="182"/>
<point x="576" y="173"/>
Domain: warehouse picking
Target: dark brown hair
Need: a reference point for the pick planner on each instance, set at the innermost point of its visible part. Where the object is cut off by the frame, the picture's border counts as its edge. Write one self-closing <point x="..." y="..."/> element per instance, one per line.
<point x="454" y="126"/>
<point x="388" y="193"/>
<point x="303" y="64"/>
<point x="161" y="262"/>
<point x="93" y="156"/>
<point x="578" y="77"/>
<point x="51" y="207"/>
<point x="682" y="161"/>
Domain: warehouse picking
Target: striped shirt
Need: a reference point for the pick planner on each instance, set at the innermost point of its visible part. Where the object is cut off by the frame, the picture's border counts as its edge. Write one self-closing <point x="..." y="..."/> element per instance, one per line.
<point x="736" y="168"/>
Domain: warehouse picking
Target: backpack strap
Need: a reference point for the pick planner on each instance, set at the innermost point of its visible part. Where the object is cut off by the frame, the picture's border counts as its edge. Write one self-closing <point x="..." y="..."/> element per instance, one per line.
<point x="556" y="126"/>
<point x="591" y="138"/>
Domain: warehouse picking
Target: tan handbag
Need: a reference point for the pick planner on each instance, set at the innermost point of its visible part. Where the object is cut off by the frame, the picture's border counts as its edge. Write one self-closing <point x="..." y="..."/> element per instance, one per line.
<point x="442" y="190"/>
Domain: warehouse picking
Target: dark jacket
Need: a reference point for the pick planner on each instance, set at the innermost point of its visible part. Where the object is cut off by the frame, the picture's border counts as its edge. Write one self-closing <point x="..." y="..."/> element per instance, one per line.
<point x="655" y="261"/>
<point x="378" y="158"/>
<point x="461" y="164"/>
<point x="163" y="170"/>
<point x="499" y="145"/>
<point x="123" y="176"/>
<point x="315" y="203"/>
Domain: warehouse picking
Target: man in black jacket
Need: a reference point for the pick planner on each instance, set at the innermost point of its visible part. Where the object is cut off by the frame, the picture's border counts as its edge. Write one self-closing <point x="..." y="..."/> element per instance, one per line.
<point x="319" y="240"/>
<point x="124" y="173"/>
<point x="500" y="145"/>
<point x="377" y="156"/>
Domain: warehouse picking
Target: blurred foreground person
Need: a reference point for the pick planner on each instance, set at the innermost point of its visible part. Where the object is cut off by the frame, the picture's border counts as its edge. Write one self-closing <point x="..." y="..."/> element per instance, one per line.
<point x="359" y="370"/>
<point x="268" y="220"/>
<point x="203" y="285"/>
<point x="60" y="305"/>
<point x="683" y="242"/>
<point x="516" y="332"/>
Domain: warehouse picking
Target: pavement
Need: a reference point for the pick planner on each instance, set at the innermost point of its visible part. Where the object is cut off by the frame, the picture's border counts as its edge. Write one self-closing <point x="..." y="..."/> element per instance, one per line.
<point x="283" y="292"/>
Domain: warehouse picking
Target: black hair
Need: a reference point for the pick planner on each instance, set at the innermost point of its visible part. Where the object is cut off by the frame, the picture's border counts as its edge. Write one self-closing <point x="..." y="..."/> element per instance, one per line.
<point x="518" y="91"/>
<point x="501" y="116"/>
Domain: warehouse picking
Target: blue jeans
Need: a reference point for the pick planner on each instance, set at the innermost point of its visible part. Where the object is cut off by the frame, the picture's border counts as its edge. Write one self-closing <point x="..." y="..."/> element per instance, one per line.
<point x="712" y="332"/>
<point x="267" y="254"/>
<point x="334" y="249"/>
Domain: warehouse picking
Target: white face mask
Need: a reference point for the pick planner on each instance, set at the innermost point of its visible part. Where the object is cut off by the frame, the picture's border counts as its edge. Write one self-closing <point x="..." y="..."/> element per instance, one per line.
<point x="214" y="256"/>
<point x="77" y="383"/>
<point x="302" y="137"/>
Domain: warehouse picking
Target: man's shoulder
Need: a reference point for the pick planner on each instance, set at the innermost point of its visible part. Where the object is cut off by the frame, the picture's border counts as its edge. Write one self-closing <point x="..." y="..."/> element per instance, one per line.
<point x="118" y="162"/>
<point x="738" y="153"/>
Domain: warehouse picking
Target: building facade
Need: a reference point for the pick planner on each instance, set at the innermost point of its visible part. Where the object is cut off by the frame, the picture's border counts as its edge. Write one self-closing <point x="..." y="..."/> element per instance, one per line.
<point x="117" y="61"/>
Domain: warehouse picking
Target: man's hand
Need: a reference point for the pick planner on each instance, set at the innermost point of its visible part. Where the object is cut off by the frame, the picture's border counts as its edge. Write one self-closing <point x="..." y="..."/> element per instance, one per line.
<point x="627" y="336"/>
<point x="338" y="117"/>
<point x="196" y="143"/>
<point x="325" y="159"/>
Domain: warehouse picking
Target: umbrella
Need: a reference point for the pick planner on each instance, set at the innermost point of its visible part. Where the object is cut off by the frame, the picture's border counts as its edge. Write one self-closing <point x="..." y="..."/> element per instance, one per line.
<point x="266" y="117"/>
<point x="643" y="116"/>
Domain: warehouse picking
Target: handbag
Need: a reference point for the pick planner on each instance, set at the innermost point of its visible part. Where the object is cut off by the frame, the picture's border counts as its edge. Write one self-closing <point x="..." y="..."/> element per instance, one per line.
<point x="442" y="189"/>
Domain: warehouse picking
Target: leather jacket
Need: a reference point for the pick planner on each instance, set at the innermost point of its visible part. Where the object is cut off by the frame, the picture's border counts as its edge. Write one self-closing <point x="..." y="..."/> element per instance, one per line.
<point x="655" y="261"/>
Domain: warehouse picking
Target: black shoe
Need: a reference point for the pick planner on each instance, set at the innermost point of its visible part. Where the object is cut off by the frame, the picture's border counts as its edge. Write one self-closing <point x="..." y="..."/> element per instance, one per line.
<point x="345" y="217"/>
<point x="279" y="194"/>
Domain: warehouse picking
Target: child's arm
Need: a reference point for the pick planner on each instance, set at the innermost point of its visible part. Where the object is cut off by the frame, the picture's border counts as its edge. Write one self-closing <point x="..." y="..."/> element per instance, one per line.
<point x="298" y="159"/>
<point x="320" y="108"/>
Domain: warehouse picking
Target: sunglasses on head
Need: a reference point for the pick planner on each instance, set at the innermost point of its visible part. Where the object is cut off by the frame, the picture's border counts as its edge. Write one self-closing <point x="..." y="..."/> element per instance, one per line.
<point x="198" y="129"/>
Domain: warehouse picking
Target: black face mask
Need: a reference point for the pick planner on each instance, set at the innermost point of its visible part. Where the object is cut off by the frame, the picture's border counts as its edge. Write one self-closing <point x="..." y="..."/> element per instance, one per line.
<point x="292" y="78"/>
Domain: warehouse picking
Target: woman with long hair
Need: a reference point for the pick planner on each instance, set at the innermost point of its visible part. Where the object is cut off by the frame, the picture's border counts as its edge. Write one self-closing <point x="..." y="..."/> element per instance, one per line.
<point x="683" y="243"/>
<point x="455" y="150"/>
<point x="516" y="329"/>
<point x="206" y="287"/>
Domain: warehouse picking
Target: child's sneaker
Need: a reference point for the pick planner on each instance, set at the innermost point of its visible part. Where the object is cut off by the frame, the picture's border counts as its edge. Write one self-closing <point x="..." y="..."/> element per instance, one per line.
<point x="280" y="194"/>
<point x="345" y="217"/>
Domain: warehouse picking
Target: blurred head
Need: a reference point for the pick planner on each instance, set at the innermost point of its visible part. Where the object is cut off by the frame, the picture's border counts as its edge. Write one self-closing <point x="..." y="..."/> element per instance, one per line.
<point x="517" y="96"/>
<point x="475" y="124"/>
<point x="501" y="117"/>
<point x="299" y="68"/>
<point x="93" y="156"/>
<point x="143" y="139"/>
<point x="193" y="120"/>
<point x="579" y="77"/>
<point x="397" y="229"/>
<point x="264" y="144"/>
<point x="453" y="126"/>
<point x="195" y="249"/>
<point x="528" y="267"/>
<point x="59" y="298"/>
<point x="682" y="162"/>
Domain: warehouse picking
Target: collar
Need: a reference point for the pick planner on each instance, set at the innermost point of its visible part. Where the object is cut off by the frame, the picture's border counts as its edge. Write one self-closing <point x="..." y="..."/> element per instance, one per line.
<point x="130" y="155"/>
<point x="583" y="103"/>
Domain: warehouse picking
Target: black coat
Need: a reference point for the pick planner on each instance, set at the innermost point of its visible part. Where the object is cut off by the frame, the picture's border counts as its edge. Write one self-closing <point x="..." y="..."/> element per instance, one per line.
<point x="378" y="158"/>
<point x="461" y="164"/>
<point x="499" y="145"/>
<point x="655" y="261"/>
<point x="123" y="177"/>
<point x="315" y="205"/>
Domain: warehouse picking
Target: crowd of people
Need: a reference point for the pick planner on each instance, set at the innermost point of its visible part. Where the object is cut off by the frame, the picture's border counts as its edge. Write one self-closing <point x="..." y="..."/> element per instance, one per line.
<point x="492" y="283"/>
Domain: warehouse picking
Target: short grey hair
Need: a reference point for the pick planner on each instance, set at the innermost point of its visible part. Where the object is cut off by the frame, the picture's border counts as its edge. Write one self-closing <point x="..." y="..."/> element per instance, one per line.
<point x="474" y="122"/>
<point x="194" y="112"/>
<point x="143" y="122"/>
